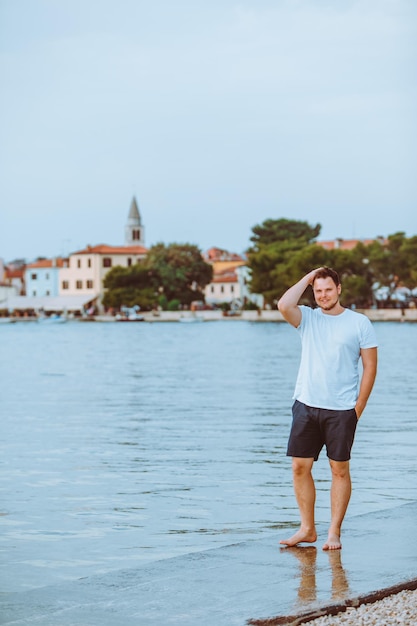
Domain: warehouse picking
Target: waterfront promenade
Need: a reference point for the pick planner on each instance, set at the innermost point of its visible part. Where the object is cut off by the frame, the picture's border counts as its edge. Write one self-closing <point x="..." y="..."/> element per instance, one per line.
<point x="375" y="315"/>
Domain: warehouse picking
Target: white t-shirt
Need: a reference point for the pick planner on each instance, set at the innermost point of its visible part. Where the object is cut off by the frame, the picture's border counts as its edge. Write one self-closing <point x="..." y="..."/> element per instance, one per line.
<point x="328" y="377"/>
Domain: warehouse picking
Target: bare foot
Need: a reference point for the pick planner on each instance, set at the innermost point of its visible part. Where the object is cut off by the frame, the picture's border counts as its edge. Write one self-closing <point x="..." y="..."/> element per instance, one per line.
<point x="332" y="543"/>
<point x="301" y="536"/>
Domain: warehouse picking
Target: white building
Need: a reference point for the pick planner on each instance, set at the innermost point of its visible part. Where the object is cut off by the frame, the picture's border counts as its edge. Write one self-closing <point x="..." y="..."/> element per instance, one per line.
<point x="87" y="268"/>
<point x="230" y="282"/>
<point x="76" y="283"/>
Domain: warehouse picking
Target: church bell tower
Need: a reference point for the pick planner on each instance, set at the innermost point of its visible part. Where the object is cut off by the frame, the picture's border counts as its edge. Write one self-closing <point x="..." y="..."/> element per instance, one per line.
<point x="134" y="230"/>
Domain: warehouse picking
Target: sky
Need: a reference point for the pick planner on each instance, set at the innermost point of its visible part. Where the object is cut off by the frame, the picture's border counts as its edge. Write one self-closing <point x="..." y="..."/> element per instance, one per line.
<point x="215" y="114"/>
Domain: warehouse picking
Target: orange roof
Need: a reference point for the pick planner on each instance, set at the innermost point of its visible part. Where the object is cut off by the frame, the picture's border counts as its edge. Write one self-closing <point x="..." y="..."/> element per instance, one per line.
<point x="217" y="254"/>
<point x="225" y="276"/>
<point x="105" y="249"/>
<point x="224" y="279"/>
<point x="347" y="244"/>
<point x="18" y="273"/>
<point x="59" y="262"/>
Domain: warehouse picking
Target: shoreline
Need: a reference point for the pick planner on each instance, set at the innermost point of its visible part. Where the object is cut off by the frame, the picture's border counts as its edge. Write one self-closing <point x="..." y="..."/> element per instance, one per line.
<point x="375" y="315"/>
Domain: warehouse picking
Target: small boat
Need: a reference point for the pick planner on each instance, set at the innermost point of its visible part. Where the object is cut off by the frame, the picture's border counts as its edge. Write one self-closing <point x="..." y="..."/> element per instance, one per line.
<point x="129" y="314"/>
<point x="133" y="317"/>
<point x="52" y="319"/>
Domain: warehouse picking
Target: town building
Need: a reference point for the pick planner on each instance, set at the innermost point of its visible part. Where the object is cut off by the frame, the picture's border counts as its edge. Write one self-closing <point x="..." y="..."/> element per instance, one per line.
<point x="87" y="268"/>
<point x="230" y="282"/>
<point x="76" y="284"/>
<point x="13" y="275"/>
<point x="42" y="277"/>
<point x="7" y="288"/>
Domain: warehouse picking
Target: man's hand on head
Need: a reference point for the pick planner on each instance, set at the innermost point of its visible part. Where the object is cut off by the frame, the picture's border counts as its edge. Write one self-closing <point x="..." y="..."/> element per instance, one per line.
<point x="312" y="275"/>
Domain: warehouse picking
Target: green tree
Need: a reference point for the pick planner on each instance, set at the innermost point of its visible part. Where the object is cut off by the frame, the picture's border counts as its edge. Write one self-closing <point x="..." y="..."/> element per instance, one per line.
<point x="388" y="264"/>
<point x="271" y="257"/>
<point x="356" y="291"/>
<point x="409" y="256"/>
<point x="298" y="264"/>
<point x="284" y="250"/>
<point x="398" y="271"/>
<point x="355" y="274"/>
<point x="130" y="286"/>
<point x="181" y="271"/>
<point x="378" y="261"/>
<point x="349" y="264"/>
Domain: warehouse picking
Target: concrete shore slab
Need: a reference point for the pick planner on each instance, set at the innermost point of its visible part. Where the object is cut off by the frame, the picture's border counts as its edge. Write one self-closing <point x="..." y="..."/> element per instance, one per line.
<point x="254" y="582"/>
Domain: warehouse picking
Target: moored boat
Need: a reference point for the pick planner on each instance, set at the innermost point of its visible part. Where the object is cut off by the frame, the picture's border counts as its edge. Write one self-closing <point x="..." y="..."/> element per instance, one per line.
<point x="52" y="319"/>
<point x="129" y="314"/>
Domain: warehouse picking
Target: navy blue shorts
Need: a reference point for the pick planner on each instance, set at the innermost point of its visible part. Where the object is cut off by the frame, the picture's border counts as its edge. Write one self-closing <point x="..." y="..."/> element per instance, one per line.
<point x="313" y="428"/>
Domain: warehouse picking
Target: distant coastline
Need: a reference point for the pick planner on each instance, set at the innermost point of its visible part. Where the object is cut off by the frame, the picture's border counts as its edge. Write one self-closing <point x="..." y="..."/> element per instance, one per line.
<point x="375" y="315"/>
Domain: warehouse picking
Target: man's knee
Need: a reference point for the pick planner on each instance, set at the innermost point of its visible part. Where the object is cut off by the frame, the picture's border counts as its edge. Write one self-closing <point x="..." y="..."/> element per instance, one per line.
<point x="301" y="466"/>
<point x="340" y="469"/>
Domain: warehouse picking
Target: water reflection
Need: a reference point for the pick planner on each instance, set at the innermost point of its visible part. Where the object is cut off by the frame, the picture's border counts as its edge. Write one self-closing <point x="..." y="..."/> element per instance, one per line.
<point x="307" y="587"/>
<point x="340" y="584"/>
<point x="307" y="558"/>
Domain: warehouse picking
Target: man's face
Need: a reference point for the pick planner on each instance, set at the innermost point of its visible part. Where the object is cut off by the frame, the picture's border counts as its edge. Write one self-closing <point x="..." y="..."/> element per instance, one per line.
<point x="326" y="294"/>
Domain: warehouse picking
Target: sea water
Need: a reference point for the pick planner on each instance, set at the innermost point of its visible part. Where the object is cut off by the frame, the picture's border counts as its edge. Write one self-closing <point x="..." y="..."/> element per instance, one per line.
<point x="123" y="444"/>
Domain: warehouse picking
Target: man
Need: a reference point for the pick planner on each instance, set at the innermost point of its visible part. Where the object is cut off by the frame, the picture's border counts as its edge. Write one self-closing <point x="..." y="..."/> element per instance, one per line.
<point x="329" y="398"/>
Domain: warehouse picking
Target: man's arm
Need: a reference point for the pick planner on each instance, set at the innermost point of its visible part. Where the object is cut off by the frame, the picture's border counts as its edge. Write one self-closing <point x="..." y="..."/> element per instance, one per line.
<point x="288" y="303"/>
<point x="369" y="361"/>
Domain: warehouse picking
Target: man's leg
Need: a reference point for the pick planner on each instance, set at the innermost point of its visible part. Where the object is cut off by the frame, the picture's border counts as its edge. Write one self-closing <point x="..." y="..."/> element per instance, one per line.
<point x="305" y="493"/>
<point x="339" y="496"/>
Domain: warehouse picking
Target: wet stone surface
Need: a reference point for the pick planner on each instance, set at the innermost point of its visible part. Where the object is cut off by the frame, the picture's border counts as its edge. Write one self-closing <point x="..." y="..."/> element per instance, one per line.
<point x="253" y="582"/>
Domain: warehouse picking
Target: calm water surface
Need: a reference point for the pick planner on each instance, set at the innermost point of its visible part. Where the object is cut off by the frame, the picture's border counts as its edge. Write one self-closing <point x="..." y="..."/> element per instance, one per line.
<point x="126" y="443"/>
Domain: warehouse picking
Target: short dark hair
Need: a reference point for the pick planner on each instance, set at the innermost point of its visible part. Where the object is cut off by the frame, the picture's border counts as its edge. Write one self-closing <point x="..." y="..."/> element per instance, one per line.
<point x="328" y="272"/>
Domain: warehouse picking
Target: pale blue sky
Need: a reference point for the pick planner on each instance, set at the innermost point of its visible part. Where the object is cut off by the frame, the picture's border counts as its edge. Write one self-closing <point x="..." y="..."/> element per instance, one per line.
<point x="216" y="114"/>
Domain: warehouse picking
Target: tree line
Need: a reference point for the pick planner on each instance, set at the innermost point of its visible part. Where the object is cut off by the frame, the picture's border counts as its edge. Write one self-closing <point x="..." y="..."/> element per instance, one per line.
<point x="284" y="250"/>
<point x="281" y="251"/>
<point x="170" y="276"/>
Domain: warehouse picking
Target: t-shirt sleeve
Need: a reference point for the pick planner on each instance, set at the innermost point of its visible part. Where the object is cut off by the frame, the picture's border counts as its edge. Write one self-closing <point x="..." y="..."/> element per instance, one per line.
<point x="368" y="335"/>
<point x="305" y="312"/>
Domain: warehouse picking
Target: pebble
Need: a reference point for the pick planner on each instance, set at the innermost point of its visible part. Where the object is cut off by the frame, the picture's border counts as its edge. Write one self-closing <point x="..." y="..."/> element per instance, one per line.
<point x="398" y="609"/>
